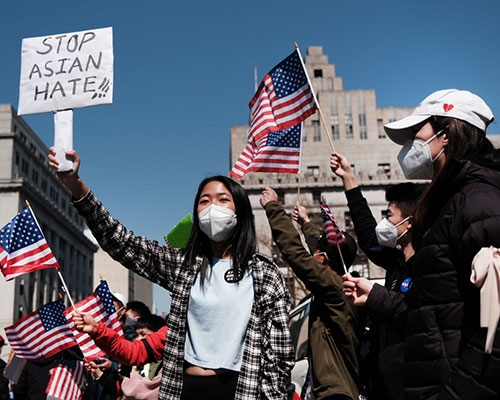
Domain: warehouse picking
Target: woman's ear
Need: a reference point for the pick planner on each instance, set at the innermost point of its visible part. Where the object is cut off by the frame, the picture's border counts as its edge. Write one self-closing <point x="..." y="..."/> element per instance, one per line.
<point x="444" y="139"/>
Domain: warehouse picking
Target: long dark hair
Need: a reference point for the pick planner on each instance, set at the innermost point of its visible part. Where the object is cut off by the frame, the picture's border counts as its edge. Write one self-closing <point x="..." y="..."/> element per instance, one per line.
<point x="243" y="239"/>
<point x="465" y="142"/>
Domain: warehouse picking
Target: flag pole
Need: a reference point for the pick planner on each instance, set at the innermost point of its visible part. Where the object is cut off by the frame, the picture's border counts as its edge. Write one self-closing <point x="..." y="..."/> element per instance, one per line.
<point x="315" y="99"/>
<point x="66" y="290"/>
<point x="58" y="271"/>
<point x="342" y="258"/>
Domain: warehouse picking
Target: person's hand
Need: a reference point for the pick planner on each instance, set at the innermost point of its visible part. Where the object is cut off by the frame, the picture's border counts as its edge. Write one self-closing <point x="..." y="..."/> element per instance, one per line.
<point x="84" y="322"/>
<point x="268" y="194"/>
<point x="70" y="179"/>
<point x="300" y="214"/>
<point x="356" y="290"/>
<point x="93" y="368"/>
<point x="341" y="167"/>
<point x="103" y="363"/>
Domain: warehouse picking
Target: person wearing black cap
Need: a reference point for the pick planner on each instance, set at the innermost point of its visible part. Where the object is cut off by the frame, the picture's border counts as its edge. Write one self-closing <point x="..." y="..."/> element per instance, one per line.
<point x="334" y="324"/>
<point x="446" y="352"/>
<point x="4" y="382"/>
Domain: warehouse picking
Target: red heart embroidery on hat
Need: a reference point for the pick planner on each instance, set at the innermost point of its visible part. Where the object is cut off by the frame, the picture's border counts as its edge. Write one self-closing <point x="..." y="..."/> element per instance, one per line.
<point x="447" y="107"/>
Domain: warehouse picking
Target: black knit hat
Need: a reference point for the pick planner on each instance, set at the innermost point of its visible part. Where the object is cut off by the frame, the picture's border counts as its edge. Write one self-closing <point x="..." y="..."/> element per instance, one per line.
<point x="349" y="251"/>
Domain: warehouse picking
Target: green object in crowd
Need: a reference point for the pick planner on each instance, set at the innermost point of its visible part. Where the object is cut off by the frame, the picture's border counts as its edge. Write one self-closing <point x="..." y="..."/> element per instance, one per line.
<point x="179" y="235"/>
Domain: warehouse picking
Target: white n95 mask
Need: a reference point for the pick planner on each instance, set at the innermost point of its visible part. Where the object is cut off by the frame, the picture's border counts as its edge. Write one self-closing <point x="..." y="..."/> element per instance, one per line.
<point x="415" y="158"/>
<point x="217" y="222"/>
<point x="387" y="233"/>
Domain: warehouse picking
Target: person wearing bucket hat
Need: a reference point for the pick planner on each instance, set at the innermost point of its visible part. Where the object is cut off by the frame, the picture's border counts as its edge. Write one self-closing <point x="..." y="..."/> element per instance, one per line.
<point x="444" y="140"/>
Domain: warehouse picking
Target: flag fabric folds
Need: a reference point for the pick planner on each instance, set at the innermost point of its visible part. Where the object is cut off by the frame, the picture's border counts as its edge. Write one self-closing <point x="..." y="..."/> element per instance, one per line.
<point x="275" y="152"/>
<point x="23" y="247"/>
<point x="67" y="380"/>
<point x="283" y="100"/>
<point x="100" y="305"/>
<point x="334" y="235"/>
<point x="41" y="334"/>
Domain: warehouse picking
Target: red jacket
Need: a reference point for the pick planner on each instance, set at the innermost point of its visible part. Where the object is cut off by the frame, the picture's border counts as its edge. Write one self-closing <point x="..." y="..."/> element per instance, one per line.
<point x="131" y="353"/>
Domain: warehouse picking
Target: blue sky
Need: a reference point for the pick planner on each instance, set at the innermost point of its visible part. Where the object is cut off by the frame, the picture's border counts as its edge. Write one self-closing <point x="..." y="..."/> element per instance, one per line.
<point x="184" y="74"/>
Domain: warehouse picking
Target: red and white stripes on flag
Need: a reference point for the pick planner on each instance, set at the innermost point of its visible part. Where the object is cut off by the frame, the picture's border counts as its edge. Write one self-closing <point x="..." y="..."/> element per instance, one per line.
<point x="334" y="235"/>
<point x="100" y="305"/>
<point x="67" y="381"/>
<point x="41" y="334"/>
<point x="275" y="152"/>
<point x="23" y="247"/>
<point x="283" y="100"/>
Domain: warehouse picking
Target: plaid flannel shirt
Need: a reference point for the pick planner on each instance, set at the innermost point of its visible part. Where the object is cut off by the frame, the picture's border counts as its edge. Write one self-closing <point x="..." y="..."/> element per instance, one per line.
<point x="268" y="352"/>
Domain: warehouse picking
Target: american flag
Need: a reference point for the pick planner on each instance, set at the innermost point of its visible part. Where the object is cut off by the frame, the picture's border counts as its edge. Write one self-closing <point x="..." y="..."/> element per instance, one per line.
<point x="283" y="100"/>
<point x="23" y="247"/>
<point x="276" y="152"/>
<point x="100" y="305"/>
<point x="334" y="234"/>
<point x="41" y="334"/>
<point x="67" y="380"/>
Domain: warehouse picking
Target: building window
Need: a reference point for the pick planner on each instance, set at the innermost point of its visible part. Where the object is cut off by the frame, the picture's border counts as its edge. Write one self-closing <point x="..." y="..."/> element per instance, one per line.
<point x="334" y="119"/>
<point x="316" y="131"/>
<point x="34" y="176"/>
<point x="363" y="132"/>
<point x="316" y="195"/>
<point x="313" y="170"/>
<point x="25" y="166"/>
<point x="44" y="185"/>
<point x="318" y="73"/>
<point x="335" y="133"/>
<point x="349" y="133"/>
<point x="384" y="169"/>
<point x="54" y="196"/>
<point x="381" y="130"/>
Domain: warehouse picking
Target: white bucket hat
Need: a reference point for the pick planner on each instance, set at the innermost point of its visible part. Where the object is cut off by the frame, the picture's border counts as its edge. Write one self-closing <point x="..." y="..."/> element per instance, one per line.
<point x="453" y="103"/>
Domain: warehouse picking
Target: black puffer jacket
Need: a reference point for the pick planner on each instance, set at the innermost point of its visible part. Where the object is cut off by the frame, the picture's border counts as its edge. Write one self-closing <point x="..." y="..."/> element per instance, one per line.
<point x="444" y="346"/>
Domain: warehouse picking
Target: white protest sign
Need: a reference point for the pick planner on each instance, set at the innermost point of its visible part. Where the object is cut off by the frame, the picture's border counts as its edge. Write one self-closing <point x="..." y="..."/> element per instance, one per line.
<point x="66" y="71"/>
<point x="62" y="72"/>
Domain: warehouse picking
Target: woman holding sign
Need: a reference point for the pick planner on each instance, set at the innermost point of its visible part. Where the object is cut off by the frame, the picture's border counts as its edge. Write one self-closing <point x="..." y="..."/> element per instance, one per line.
<point x="228" y="324"/>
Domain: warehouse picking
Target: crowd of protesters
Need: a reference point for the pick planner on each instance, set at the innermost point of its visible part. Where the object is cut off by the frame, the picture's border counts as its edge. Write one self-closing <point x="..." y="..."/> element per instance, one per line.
<point x="431" y="332"/>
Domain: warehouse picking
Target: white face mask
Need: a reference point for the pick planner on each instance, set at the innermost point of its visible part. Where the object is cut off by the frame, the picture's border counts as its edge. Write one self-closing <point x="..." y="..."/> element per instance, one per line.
<point x="217" y="222"/>
<point x="415" y="158"/>
<point x="387" y="233"/>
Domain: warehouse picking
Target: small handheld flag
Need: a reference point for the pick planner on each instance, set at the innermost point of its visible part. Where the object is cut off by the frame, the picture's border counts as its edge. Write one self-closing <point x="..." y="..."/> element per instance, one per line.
<point x="334" y="234"/>
<point x="41" y="334"/>
<point x="100" y="305"/>
<point x="23" y="247"/>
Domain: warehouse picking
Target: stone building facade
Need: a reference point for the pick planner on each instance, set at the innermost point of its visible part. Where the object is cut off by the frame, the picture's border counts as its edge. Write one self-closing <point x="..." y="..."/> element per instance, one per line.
<point x="25" y="176"/>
